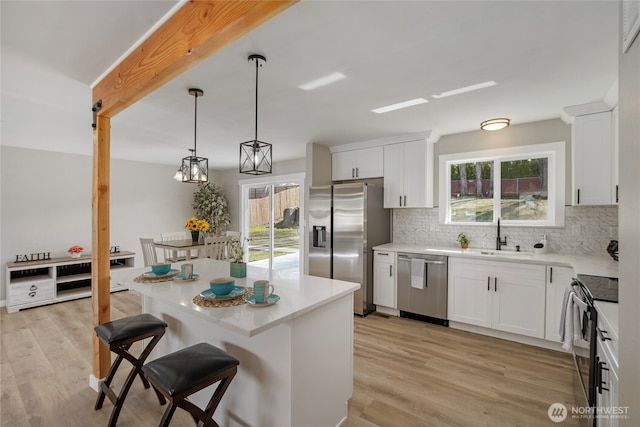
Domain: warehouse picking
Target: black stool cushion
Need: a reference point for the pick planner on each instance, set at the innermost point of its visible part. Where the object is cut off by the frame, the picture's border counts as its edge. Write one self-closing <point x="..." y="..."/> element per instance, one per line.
<point x="129" y="327"/>
<point x="186" y="368"/>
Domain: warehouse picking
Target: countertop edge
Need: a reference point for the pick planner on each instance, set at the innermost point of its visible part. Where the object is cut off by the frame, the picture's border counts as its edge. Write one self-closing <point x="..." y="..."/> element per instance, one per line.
<point x="581" y="264"/>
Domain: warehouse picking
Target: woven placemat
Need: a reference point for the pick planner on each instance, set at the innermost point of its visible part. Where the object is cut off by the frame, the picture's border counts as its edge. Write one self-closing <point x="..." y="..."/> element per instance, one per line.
<point x="143" y="279"/>
<point x="206" y="302"/>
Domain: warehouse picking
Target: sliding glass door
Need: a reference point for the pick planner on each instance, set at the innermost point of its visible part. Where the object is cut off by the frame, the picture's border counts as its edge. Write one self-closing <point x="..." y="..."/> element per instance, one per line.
<point x="271" y="221"/>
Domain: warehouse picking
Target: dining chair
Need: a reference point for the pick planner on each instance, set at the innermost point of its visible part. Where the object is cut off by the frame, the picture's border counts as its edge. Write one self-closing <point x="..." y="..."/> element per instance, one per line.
<point x="215" y="247"/>
<point x="233" y="234"/>
<point x="148" y="252"/>
<point x="172" y="255"/>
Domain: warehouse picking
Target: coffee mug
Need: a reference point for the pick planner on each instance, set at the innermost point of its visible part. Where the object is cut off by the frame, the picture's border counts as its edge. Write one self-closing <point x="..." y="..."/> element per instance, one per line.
<point x="187" y="271"/>
<point x="262" y="290"/>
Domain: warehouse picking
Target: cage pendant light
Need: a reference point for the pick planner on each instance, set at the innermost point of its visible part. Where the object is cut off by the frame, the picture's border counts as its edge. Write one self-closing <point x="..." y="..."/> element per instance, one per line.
<point x="193" y="168"/>
<point x="255" y="155"/>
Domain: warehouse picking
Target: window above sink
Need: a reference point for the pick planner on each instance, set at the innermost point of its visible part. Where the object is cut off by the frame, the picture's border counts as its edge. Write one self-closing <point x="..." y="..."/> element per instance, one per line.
<point x="523" y="186"/>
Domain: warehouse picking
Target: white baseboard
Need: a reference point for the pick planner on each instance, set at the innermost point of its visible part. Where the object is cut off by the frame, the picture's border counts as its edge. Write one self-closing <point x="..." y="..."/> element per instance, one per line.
<point x="94" y="382"/>
<point x="387" y="310"/>
<point x="522" y="339"/>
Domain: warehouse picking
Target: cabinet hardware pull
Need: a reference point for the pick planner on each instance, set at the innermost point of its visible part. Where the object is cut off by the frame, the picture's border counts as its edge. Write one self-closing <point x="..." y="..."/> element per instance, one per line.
<point x="602" y="336"/>
<point x="357" y="172"/>
<point x="578" y="197"/>
<point x="391" y="271"/>
<point x="600" y="381"/>
<point x="405" y="201"/>
<point x="550" y="274"/>
<point x="383" y="253"/>
<point x="400" y="202"/>
<point x="616" y="193"/>
<point x="495" y="284"/>
<point x="353" y="172"/>
<point x="488" y="283"/>
<point x="32" y="294"/>
<point x="33" y="288"/>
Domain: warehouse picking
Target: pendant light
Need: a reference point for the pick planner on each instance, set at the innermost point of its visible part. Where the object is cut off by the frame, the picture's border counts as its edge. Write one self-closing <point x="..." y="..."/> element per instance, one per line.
<point x="255" y="156"/>
<point x="193" y="168"/>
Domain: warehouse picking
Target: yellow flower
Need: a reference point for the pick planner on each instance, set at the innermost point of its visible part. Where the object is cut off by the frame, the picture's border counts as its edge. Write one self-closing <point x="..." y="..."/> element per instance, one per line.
<point x="195" y="224"/>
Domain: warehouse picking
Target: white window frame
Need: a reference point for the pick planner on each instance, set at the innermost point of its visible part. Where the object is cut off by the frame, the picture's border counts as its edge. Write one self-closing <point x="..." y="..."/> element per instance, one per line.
<point x="554" y="151"/>
<point x="244" y="186"/>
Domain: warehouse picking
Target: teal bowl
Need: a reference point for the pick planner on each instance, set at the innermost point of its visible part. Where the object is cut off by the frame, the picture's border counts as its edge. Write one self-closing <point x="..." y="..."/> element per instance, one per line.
<point x="222" y="286"/>
<point x="161" y="269"/>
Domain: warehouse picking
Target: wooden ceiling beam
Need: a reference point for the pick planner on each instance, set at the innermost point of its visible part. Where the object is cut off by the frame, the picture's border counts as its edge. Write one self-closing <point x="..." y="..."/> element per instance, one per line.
<point x="197" y="30"/>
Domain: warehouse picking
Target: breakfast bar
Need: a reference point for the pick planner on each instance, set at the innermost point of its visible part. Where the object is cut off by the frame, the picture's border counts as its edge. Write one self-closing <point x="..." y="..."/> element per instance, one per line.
<point x="296" y="356"/>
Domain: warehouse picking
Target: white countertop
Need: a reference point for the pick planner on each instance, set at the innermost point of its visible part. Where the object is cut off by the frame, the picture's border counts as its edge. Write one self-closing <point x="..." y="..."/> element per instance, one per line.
<point x="297" y="295"/>
<point x="581" y="264"/>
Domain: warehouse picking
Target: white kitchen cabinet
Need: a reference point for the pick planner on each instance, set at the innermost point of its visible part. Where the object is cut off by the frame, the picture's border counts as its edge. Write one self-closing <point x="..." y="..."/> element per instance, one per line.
<point x="408" y="175"/>
<point x="357" y="164"/>
<point x="594" y="159"/>
<point x="34" y="283"/>
<point x="503" y="296"/>
<point x="606" y="375"/>
<point x="384" y="279"/>
<point x="558" y="279"/>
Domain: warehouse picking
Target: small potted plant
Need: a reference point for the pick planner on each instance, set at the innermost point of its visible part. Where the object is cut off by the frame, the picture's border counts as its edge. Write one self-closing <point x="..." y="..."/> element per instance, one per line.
<point x="235" y="250"/>
<point x="75" y="251"/>
<point x="464" y="241"/>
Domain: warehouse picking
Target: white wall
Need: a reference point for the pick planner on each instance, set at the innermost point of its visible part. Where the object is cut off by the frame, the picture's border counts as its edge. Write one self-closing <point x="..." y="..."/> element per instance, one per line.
<point x="46" y="203"/>
<point x="542" y="132"/>
<point x="629" y="292"/>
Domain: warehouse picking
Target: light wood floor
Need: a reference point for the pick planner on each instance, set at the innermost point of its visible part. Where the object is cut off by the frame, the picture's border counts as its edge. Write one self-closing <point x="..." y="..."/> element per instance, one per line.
<point x="407" y="373"/>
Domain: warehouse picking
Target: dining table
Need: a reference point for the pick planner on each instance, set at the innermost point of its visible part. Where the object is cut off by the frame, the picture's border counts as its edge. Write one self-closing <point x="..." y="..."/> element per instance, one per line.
<point x="186" y="245"/>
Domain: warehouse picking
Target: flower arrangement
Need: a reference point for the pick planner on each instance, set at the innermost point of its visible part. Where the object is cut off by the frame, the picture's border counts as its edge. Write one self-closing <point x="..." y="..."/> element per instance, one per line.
<point x="75" y="249"/>
<point x="195" y="224"/>
<point x="236" y="250"/>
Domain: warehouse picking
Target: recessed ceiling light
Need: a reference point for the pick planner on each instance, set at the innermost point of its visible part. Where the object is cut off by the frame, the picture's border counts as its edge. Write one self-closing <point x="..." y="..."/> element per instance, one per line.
<point x="322" y="81"/>
<point x="400" y="105"/>
<point x="465" y="89"/>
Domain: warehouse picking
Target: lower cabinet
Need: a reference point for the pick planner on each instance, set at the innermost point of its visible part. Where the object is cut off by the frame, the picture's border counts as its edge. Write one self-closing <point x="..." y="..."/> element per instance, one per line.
<point x="606" y="375"/>
<point x="558" y="279"/>
<point x="384" y="279"/>
<point x="503" y="296"/>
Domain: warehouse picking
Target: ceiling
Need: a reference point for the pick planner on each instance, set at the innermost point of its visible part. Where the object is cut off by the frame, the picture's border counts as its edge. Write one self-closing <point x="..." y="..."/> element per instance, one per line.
<point x="543" y="56"/>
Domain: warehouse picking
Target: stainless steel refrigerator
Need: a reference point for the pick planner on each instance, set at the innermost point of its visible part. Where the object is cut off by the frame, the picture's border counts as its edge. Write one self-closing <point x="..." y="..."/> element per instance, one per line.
<point x="345" y="222"/>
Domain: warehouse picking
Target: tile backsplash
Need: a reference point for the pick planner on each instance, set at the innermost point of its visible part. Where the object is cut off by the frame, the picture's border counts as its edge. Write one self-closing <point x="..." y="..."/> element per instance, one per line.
<point x="587" y="231"/>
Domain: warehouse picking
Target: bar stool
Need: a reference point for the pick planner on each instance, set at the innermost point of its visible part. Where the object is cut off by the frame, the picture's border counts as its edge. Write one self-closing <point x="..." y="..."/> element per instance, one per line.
<point x="120" y="334"/>
<point x="179" y="375"/>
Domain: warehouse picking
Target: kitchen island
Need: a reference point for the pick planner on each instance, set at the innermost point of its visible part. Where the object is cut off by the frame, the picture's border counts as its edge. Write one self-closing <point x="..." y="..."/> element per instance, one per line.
<point x="296" y="356"/>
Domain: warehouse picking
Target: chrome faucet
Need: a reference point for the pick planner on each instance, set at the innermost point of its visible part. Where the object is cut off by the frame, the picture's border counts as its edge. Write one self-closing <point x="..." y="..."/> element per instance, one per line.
<point x="500" y="242"/>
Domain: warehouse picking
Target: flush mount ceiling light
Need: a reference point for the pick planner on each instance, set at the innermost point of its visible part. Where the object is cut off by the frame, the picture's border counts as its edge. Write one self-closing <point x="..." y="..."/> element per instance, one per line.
<point x="322" y="81"/>
<point x="399" y="105"/>
<point x="255" y="156"/>
<point x="194" y="168"/>
<point x="494" y="124"/>
<point x="465" y="89"/>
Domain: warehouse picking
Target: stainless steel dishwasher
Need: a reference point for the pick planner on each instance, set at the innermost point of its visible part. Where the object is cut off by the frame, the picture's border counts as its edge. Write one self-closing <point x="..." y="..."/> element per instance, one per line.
<point x="422" y="293"/>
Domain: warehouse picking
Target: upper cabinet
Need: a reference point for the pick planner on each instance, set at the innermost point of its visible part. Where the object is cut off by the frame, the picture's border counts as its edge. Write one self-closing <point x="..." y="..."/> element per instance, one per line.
<point x="595" y="159"/>
<point x="408" y="175"/>
<point x="357" y="164"/>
